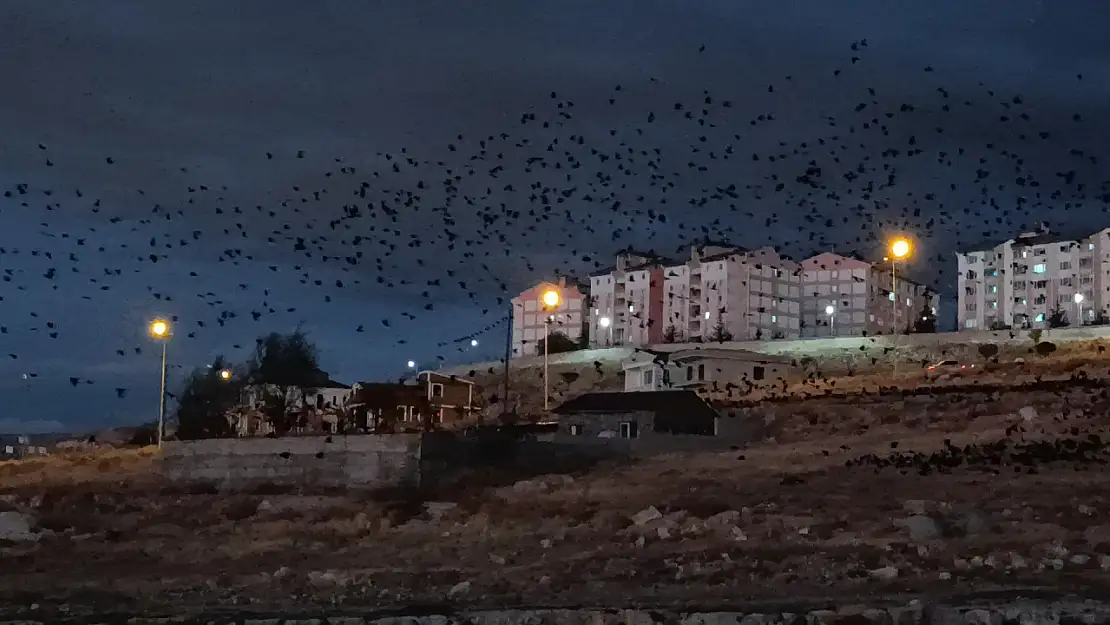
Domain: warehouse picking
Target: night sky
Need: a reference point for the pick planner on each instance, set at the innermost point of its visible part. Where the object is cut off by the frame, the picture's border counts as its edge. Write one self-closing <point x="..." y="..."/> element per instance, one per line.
<point x="253" y="149"/>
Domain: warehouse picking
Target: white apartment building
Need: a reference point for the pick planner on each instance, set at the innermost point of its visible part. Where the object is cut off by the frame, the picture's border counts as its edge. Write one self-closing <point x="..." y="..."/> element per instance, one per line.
<point x="626" y="301"/>
<point x="531" y="321"/>
<point x="860" y="298"/>
<point x="1019" y="281"/>
<point x="751" y="294"/>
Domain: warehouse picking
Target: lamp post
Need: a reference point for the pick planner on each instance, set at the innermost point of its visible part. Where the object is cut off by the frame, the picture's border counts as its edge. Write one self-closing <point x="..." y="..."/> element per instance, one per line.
<point x="550" y="300"/>
<point x="160" y="331"/>
<point x="607" y="324"/>
<point x="830" y="310"/>
<point x="1079" y="308"/>
<point x="900" y="248"/>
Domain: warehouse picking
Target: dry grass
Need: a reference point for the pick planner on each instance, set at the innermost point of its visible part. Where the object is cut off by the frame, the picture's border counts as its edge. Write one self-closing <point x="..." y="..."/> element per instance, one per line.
<point x="811" y="526"/>
<point x="79" y="466"/>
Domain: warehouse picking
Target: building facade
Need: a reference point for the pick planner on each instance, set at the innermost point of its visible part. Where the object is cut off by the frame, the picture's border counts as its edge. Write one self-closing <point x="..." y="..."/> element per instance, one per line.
<point x="860" y="297"/>
<point x="626" y="301"/>
<point x="530" y="317"/>
<point x="720" y="292"/>
<point x="1020" y="281"/>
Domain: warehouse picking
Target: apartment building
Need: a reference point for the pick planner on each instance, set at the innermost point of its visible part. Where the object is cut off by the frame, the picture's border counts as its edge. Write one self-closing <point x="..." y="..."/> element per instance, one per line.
<point x="626" y="301"/>
<point x="750" y="295"/>
<point x="845" y="296"/>
<point x="530" y="316"/>
<point x="1018" y="282"/>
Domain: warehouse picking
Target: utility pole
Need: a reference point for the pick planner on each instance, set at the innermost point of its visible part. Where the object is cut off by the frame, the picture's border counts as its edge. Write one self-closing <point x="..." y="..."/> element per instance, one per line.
<point x="508" y="357"/>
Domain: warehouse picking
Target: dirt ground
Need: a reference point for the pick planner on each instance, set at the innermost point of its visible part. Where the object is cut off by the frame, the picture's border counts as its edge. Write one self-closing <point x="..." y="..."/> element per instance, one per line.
<point x="832" y="505"/>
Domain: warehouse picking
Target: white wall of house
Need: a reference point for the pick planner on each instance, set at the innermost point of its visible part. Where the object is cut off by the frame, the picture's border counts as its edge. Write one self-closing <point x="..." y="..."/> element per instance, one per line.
<point x="643" y="373"/>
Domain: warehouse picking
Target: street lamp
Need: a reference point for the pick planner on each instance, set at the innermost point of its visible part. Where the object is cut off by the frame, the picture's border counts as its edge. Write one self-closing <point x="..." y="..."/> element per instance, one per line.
<point x="1079" y="308"/>
<point x="474" y="342"/>
<point x="900" y="248"/>
<point x="412" y="364"/>
<point x="550" y="300"/>
<point x="160" y="331"/>
<point x="830" y="310"/>
<point x="225" y="375"/>
<point x="607" y="324"/>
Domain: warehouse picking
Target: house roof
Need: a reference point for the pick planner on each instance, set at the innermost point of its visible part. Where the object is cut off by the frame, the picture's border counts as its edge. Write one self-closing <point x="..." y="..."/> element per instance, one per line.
<point x="449" y="378"/>
<point x="686" y="403"/>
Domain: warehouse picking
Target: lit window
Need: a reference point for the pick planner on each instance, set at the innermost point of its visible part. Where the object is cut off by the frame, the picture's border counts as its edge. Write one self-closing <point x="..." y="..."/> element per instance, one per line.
<point x="909" y="302"/>
<point x="1039" y="268"/>
<point x="994" y="304"/>
<point x="970" y="323"/>
<point x="774" y="319"/>
<point x="1039" y="318"/>
<point x="1090" y="246"/>
<point x="707" y="314"/>
<point x="631" y="308"/>
<point x="891" y="296"/>
<point x="994" y="289"/>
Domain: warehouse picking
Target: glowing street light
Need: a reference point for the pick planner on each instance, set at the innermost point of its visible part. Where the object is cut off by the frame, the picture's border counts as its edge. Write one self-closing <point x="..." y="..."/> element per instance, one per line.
<point x="474" y="342"/>
<point x="160" y="331"/>
<point x="830" y="310"/>
<point x="412" y="364"/>
<point x="900" y="248"/>
<point x="604" y="322"/>
<point x="225" y="375"/>
<point x="550" y="300"/>
<point x="1079" y="308"/>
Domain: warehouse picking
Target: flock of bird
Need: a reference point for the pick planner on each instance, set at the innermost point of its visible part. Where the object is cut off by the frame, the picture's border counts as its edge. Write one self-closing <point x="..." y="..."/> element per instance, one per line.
<point x="495" y="212"/>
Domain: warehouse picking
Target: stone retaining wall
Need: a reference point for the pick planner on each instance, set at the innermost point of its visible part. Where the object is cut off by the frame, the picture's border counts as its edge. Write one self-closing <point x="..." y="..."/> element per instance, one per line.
<point x="1077" y="612"/>
<point x="330" y="461"/>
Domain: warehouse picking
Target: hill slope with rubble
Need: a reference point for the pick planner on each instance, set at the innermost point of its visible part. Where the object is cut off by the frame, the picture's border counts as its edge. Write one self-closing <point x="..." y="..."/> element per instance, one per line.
<point x="944" y="490"/>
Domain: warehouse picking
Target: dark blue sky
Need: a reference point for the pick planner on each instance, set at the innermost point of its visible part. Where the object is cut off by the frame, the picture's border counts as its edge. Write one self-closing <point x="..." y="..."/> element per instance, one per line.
<point x="211" y="87"/>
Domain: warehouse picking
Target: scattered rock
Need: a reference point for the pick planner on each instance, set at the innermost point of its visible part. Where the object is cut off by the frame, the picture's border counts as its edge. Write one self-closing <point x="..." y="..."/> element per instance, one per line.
<point x="496" y="559"/>
<point x="885" y="573"/>
<point x="647" y="515"/>
<point x="17" y="526"/>
<point x="663" y="533"/>
<point x="458" y="589"/>
<point x="1027" y="413"/>
<point x="524" y="487"/>
<point x="440" y="509"/>
<point x="920" y="527"/>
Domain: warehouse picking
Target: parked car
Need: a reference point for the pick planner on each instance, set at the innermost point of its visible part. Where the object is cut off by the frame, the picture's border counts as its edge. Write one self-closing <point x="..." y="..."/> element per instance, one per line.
<point x="949" y="366"/>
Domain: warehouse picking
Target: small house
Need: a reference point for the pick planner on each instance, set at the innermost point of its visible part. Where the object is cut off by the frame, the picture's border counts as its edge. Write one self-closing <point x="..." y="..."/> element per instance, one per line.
<point x="631" y="416"/>
<point x="450" y="398"/>
<point x="745" y="370"/>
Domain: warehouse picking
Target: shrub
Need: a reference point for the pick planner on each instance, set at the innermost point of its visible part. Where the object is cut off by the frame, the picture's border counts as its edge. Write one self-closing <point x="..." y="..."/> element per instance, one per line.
<point x="988" y="350"/>
<point x="1044" y="349"/>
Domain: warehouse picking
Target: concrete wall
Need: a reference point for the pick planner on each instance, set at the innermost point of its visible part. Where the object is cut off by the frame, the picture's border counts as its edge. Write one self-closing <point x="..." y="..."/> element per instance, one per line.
<point x="345" y="461"/>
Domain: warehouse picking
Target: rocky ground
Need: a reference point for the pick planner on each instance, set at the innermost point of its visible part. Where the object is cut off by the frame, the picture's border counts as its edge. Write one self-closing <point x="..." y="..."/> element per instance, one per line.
<point x="852" y="497"/>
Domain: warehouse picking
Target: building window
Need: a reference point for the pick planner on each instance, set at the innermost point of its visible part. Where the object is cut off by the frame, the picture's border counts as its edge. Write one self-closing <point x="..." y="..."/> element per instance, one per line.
<point x="437" y="390"/>
<point x="1039" y="268"/>
<point x="994" y="289"/>
<point x="1065" y="265"/>
<point x="576" y="429"/>
<point x="689" y="372"/>
<point x="774" y="319"/>
<point x="891" y="296"/>
<point x="1090" y="246"/>
<point x="648" y="377"/>
<point x="970" y="323"/>
<point x="630" y="429"/>
<point x="1039" y="318"/>
<point x="701" y="372"/>
<point x="971" y="275"/>
<point x="758" y="373"/>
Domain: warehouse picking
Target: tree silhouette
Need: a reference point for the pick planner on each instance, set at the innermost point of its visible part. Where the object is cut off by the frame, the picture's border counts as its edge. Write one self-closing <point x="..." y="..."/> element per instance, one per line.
<point x="206" y="400"/>
<point x="720" y="333"/>
<point x="1057" y="317"/>
<point x="670" y="334"/>
<point x="558" y="343"/>
<point x="284" y="369"/>
<point x="926" y="322"/>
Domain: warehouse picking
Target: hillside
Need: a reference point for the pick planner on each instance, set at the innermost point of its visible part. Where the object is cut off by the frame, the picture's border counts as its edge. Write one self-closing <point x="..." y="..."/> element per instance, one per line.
<point x="861" y="495"/>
